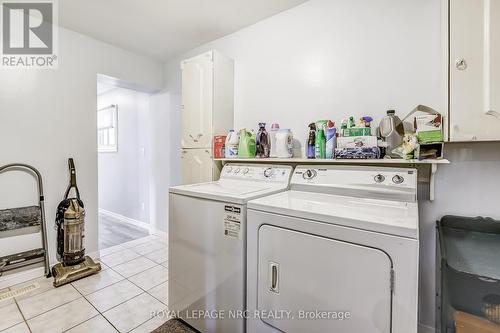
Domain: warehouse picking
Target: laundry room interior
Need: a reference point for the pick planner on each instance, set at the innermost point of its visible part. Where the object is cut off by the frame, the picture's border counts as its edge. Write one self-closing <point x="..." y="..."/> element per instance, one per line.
<point x="256" y="166"/>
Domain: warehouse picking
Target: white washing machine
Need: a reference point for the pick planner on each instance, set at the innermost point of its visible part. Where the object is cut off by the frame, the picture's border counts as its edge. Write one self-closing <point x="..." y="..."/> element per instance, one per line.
<point x="207" y="244"/>
<point x="338" y="252"/>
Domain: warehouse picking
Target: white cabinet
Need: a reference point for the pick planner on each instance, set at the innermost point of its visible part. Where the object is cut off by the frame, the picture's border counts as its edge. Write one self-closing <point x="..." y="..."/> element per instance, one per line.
<point x="474" y="70"/>
<point x="207" y="109"/>
<point x="197" y="97"/>
<point x="197" y="166"/>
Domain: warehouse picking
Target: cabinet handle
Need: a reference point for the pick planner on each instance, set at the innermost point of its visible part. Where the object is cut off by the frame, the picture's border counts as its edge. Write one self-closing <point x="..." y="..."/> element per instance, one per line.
<point x="471" y="138"/>
<point x="461" y="64"/>
<point x="492" y="113"/>
<point x="197" y="137"/>
<point x="274" y="277"/>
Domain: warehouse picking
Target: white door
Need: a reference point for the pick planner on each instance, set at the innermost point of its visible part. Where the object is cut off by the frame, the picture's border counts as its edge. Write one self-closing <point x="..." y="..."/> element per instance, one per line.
<point x="304" y="273"/>
<point x="197" y="96"/>
<point x="197" y="166"/>
<point x="474" y="70"/>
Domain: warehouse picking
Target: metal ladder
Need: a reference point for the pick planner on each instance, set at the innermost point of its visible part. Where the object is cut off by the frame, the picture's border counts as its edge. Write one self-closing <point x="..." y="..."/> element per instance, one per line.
<point x="30" y="257"/>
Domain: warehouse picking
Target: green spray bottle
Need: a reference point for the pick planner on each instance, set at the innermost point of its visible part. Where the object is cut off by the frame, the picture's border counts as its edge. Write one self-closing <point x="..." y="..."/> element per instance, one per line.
<point x="320" y="146"/>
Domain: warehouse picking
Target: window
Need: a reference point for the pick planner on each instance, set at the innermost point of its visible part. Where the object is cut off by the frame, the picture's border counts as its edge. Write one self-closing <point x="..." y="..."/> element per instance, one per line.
<point x="107" y="129"/>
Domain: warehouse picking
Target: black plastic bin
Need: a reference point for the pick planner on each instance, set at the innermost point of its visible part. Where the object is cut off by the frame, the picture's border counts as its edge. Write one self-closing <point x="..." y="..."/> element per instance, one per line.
<point x="468" y="275"/>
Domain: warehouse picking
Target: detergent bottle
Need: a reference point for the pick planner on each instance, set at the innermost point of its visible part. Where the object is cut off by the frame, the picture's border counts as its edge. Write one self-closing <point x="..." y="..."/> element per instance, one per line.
<point x="262" y="142"/>
<point x="247" y="146"/>
<point x="275" y="127"/>
<point x="331" y="140"/>
<point x="284" y="143"/>
<point x="232" y="142"/>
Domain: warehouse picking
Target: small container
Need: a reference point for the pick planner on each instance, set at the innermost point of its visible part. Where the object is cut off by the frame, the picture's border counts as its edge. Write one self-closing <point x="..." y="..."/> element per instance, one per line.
<point x="491" y="308"/>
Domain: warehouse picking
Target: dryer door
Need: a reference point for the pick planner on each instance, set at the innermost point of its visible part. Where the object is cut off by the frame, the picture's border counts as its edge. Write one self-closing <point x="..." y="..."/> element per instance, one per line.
<point x="319" y="280"/>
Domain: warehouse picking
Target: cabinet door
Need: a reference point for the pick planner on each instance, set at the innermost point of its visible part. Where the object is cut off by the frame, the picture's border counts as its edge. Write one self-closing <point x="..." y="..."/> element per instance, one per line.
<point x="474" y="70"/>
<point x="197" y="96"/>
<point x="197" y="166"/>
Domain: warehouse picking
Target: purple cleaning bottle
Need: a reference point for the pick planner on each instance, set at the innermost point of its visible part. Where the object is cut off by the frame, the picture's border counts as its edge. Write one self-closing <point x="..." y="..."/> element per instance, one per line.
<point x="311" y="141"/>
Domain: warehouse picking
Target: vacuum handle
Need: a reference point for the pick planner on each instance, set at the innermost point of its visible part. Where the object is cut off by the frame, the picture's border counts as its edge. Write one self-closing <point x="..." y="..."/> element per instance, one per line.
<point x="72" y="179"/>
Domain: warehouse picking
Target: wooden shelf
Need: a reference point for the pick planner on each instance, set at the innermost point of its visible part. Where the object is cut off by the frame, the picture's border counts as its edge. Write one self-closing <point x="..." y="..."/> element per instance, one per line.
<point x="381" y="161"/>
<point x="429" y="176"/>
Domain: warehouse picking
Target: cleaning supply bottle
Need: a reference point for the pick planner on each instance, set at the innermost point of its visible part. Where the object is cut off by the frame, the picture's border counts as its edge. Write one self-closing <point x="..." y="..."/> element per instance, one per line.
<point x="311" y="141"/>
<point x="320" y="144"/>
<point x="331" y="140"/>
<point x="262" y="142"/>
<point x="275" y="127"/>
<point x="232" y="142"/>
<point x="284" y="143"/>
<point x="247" y="145"/>
<point x="391" y="130"/>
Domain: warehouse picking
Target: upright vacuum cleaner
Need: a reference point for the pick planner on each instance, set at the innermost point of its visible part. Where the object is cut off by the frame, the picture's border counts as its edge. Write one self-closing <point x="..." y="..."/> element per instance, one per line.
<point x="70" y="223"/>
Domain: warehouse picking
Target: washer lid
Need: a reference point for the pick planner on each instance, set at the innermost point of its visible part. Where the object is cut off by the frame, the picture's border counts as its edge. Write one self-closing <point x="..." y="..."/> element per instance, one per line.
<point x="240" y="183"/>
<point x="228" y="190"/>
<point x="390" y="217"/>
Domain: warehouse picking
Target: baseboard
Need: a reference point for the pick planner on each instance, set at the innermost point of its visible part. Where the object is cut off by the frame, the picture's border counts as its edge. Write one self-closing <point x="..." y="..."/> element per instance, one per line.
<point x="125" y="219"/>
<point x="20" y="277"/>
<point x="425" y="329"/>
<point x="159" y="233"/>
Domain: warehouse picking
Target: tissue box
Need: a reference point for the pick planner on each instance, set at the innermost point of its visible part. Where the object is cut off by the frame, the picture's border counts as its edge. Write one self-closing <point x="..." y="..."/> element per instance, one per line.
<point x="357" y="131"/>
<point x="357" y="153"/>
<point x="429" y="128"/>
<point x="356" y="141"/>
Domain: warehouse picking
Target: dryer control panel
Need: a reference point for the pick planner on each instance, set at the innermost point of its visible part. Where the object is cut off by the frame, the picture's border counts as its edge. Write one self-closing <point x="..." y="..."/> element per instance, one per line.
<point x="257" y="172"/>
<point x="360" y="181"/>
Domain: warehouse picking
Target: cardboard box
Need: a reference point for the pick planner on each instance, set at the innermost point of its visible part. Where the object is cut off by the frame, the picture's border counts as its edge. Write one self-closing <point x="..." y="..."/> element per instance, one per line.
<point x="430" y="151"/>
<point x="356" y="141"/>
<point x="356" y="131"/>
<point x="467" y="323"/>
<point x="429" y="127"/>
<point x="219" y="146"/>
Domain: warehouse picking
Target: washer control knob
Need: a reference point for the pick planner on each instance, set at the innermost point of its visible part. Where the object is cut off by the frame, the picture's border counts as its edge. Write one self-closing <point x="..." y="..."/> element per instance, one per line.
<point x="268" y="172"/>
<point x="309" y="174"/>
<point x="379" y="178"/>
<point x="397" y="179"/>
<point x="237" y="170"/>
<point x="229" y="169"/>
<point x="245" y="171"/>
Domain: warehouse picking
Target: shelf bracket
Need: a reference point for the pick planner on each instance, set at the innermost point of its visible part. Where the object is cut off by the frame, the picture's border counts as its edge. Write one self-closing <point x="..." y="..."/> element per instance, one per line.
<point x="432" y="181"/>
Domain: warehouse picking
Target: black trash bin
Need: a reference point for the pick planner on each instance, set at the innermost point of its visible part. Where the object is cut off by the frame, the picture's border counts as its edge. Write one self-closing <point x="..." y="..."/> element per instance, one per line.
<point x="468" y="270"/>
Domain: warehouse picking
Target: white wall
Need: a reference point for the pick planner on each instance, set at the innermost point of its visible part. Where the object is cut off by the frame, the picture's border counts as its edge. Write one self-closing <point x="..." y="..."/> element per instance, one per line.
<point x="124" y="175"/>
<point x="332" y="58"/>
<point x="47" y="116"/>
<point x="160" y="151"/>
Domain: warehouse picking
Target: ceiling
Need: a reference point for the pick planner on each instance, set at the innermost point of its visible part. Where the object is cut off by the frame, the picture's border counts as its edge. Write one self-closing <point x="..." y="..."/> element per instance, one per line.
<point x="162" y="29"/>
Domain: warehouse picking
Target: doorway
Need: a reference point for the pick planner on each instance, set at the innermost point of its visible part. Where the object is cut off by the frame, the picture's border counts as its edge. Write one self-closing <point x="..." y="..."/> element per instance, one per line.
<point x="123" y="180"/>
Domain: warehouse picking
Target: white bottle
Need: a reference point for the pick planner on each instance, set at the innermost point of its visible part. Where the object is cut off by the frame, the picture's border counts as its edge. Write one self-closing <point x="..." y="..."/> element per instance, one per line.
<point x="232" y="142"/>
<point x="272" y="139"/>
<point x="284" y="143"/>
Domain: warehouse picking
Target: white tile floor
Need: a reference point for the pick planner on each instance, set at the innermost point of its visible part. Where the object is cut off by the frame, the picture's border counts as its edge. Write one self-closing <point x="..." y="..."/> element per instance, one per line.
<point x="121" y="298"/>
